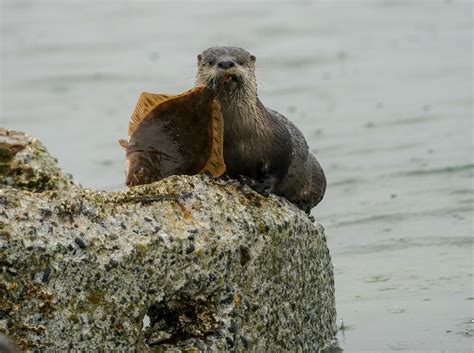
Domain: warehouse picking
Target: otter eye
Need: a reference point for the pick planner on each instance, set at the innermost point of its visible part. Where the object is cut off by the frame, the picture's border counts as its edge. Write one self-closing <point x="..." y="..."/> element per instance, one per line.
<point x="240" y="62"/>
<point x="211" y="62"/>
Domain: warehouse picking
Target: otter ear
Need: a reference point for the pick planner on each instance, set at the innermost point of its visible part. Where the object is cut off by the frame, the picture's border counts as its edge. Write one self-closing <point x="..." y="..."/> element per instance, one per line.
<point x="253" y="58"/>
<point x="199" y="58"/>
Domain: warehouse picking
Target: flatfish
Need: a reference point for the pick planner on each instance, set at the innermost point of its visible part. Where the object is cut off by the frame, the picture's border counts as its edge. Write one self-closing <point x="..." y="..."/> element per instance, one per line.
<point x="174" y="135"/>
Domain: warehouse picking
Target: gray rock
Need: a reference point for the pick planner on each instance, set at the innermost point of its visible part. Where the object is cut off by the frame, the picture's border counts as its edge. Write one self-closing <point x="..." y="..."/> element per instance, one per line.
<point x="26" y="164"/>
<point x="187" y="264"/>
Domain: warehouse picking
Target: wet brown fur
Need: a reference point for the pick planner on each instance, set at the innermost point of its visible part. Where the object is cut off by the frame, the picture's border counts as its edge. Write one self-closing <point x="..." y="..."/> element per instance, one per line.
<point x="260" y="144"/>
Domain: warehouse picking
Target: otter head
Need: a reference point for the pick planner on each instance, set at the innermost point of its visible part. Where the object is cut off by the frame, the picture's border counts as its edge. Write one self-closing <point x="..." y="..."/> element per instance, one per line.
<point x="230" y="70"/>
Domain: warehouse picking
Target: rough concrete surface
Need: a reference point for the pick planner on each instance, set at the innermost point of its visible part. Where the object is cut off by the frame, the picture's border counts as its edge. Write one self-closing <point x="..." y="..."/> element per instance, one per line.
<point x="26" y="164"/>
<point x="188" y="264"/>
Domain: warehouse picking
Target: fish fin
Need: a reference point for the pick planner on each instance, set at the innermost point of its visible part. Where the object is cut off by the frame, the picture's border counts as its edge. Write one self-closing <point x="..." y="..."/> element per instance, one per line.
<point x="215" y="165"/>
<point x="145" y="104"/>
<point x="123" y="143"/>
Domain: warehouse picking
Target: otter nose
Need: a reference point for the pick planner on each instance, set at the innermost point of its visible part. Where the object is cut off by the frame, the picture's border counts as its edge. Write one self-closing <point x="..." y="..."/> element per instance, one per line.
<point x="225" y="64"/>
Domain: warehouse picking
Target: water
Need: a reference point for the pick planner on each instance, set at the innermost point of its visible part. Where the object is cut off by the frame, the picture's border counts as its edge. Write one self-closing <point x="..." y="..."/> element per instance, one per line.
<point x="381" y="89"/>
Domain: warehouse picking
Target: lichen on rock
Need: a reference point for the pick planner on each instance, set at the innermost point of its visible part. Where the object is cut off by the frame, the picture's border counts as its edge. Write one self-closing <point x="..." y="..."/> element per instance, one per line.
<point x="26" y="164"/>
<point x="187" y="264"/>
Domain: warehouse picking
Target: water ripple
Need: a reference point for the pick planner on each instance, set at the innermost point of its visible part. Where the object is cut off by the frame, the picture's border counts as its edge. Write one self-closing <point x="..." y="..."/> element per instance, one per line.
<point x="400" y="216"/>
<point x="405" y="243"/>
<point x="435" y="171"/>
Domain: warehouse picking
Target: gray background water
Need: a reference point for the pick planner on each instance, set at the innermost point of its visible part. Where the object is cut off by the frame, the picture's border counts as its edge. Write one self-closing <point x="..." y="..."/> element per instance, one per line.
<point x="381" y="89"/>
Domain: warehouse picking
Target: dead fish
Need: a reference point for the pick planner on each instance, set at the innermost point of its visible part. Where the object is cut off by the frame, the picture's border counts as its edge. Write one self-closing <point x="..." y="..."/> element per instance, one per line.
<point x="174" y="135"/>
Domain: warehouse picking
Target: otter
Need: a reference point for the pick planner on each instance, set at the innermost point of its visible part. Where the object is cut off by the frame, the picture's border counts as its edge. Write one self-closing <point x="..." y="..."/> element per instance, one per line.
<point x="261" y="146"/>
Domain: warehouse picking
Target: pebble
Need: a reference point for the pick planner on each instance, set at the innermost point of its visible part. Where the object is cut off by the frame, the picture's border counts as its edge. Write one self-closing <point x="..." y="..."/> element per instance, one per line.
<point x="190" y="249"/>
<point x="80" y="242"/>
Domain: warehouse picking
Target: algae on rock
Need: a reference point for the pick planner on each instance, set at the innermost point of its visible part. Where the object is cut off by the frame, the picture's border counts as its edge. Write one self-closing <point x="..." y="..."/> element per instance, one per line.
<point x="185" y="264"/>
<point x="26" y="164"/>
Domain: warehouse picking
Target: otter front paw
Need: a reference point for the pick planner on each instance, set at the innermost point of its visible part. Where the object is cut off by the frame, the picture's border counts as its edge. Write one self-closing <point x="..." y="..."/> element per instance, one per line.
<point x="263" y="186"/>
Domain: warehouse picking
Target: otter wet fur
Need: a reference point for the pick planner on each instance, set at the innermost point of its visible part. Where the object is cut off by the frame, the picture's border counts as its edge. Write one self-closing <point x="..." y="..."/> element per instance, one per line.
<point x="261" y="147"/>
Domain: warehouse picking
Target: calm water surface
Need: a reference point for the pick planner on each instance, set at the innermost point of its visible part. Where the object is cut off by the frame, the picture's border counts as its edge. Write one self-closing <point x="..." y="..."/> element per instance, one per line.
<point x="381" y="89"/>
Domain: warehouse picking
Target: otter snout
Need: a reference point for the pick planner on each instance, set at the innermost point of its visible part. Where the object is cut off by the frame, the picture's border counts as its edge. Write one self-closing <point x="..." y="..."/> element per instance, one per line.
<point x="225" y="64"/>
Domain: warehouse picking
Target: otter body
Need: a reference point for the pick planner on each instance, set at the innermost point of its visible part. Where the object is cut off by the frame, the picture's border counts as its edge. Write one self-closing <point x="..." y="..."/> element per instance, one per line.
<point x="261" y="146"/>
